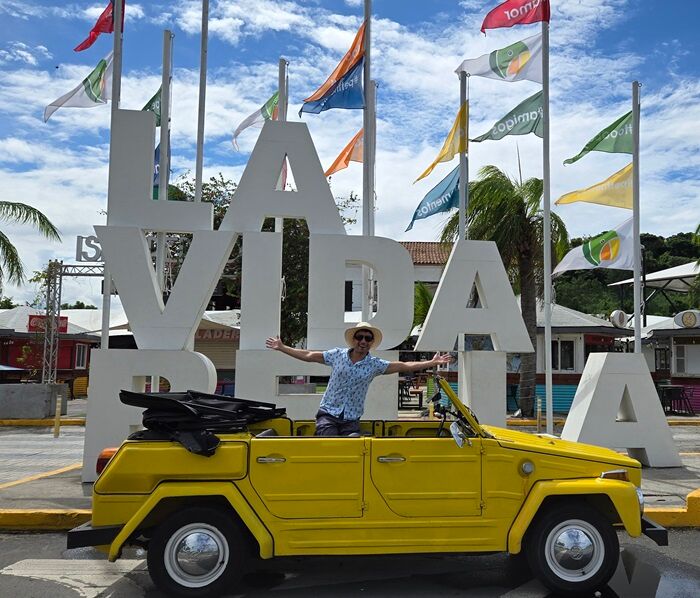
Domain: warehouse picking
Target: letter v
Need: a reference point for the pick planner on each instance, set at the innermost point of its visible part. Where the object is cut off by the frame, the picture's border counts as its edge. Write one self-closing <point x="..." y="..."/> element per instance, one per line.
<point x="154" y="324"/>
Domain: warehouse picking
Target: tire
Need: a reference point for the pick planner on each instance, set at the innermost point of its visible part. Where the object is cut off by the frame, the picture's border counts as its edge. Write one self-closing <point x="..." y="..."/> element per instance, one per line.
<point x="178" y="571"/>
<point x="572" y="549"/>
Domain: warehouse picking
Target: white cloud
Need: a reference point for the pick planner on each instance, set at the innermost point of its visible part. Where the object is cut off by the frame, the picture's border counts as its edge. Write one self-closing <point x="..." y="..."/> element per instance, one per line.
<point x="21" y="52"/>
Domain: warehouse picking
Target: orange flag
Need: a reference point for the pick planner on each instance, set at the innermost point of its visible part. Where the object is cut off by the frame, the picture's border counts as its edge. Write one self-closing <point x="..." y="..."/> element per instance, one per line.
<point x="352" y="152"/>
<point x="356" y="51"/>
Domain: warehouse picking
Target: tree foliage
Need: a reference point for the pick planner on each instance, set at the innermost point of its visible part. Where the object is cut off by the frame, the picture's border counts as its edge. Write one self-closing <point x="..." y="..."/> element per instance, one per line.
<point x="11" y="268"/>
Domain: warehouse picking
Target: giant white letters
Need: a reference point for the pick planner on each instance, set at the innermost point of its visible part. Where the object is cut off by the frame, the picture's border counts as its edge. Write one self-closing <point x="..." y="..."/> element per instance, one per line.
<point x="393" y="270"/>
<point x="474" y="263"/>
<point x="154" y="324"/>
<point x="131" y="181"/>
<point x="616" y="405"/>
<point x="112" y="370"/>
<point x="257" y="198"/>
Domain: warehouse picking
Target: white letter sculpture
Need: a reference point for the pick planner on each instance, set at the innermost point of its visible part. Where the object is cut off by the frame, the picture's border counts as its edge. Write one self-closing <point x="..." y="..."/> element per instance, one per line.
<point x="616" y="405"/>
<point x="482" y="374"/>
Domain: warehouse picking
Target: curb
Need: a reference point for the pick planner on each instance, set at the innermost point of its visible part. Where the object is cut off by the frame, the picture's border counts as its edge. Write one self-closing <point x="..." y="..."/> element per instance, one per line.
<point x="42" y="519"/>
<point x="75" y="421"/>
<point x="688" y="516"/>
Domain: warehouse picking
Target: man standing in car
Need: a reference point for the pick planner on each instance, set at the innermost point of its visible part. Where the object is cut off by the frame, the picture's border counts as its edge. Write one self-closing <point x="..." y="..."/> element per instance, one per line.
<point x="353" y="369"/>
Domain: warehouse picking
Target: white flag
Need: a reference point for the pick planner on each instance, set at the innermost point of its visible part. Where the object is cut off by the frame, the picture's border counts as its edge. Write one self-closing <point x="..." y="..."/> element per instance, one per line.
<point x="614" y="249"/>
<point x="94" y="90"/>
<point x="517" y="62"/>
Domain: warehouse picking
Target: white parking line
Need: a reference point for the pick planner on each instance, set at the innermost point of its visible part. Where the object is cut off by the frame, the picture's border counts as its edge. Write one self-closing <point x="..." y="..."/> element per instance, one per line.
<point x="89" y="578"/>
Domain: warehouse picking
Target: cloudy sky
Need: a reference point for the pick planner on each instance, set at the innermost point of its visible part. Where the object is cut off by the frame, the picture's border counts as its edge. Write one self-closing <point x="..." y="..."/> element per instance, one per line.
<point x="598" y="48"/>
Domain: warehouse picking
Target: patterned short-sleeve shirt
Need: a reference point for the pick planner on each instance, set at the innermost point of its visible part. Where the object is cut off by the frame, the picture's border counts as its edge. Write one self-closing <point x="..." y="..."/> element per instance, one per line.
<point x="349" y="382"/>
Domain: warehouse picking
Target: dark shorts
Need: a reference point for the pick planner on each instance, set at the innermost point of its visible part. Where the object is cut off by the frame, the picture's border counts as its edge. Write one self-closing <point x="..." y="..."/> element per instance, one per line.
<point x="329" y="425"/>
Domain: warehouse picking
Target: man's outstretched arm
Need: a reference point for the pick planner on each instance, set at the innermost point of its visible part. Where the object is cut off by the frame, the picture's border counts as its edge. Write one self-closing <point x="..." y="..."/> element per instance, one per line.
<point x="276" y="344"/>
<point x="415" y="366"/>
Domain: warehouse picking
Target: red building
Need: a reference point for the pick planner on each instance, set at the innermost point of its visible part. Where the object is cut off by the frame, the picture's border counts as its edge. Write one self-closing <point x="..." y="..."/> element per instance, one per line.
<point x="20" y="348"/>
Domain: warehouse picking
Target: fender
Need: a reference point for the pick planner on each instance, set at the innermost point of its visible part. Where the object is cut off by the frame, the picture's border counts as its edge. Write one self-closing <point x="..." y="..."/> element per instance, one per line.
<point x="193" y="489"/>
<point x="622" y="494"/>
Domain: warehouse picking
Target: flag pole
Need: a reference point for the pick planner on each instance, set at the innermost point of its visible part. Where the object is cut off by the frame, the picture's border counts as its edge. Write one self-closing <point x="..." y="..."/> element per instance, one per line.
<point x="463" y="159"/>
<point x="117" y="13"/>
<point x="635" y="216"/>
<point x="164" y="166"/>
<point x="549" y="408"/>
<point x="202" y="101"/>
<point x="281" y="114"/>
<point x="368" y="159"/>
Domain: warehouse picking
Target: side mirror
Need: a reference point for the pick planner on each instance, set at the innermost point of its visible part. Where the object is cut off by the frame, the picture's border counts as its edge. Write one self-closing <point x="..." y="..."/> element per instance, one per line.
<point x="459" y="436"/>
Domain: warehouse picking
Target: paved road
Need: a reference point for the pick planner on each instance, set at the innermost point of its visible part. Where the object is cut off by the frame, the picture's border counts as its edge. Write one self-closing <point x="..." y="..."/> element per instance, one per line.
<point x="38" y="565"/>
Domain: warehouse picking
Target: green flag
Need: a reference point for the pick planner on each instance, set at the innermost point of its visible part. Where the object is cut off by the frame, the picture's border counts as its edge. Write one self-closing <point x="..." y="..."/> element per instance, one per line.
<point x="153" y="105"/>
<point x="615" y="139"/>
<point x="525" y="118"/>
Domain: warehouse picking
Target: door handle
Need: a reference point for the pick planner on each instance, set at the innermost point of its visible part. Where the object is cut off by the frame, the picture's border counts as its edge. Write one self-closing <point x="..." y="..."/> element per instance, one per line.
<point x="270" y="459"/>
<point x="385" y="459"/>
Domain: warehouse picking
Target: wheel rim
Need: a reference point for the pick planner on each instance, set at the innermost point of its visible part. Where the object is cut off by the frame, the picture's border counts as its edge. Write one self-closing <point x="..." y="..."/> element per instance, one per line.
<point x="196" y="555"/>
<point x="574" y="550"/>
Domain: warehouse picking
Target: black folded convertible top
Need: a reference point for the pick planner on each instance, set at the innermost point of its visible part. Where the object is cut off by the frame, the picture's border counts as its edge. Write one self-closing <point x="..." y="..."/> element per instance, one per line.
<point x="192" y="417"/>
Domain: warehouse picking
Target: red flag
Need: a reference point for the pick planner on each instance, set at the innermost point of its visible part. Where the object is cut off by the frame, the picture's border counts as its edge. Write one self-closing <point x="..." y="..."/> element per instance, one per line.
<point x="516" y="12"/>
<point x="104" y="24"/>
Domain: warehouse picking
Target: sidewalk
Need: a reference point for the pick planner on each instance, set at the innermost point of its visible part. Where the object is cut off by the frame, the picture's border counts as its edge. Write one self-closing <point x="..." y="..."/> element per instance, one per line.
<point x="41" y="489"/>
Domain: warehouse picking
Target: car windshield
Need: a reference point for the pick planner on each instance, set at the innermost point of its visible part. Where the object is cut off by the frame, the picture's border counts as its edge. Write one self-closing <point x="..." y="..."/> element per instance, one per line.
<point x="459" y="410"/>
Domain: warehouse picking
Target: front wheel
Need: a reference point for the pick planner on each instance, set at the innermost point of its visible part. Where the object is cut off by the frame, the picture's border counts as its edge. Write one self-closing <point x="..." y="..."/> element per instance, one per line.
<point x="573" y="549"/>
<point x="199" y="552"/>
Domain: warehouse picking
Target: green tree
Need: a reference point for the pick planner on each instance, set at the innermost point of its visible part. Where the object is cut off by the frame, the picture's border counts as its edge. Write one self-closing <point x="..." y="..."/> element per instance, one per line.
<point x="422" y="298"/>
<point x="11" y="267"/>
<point x="7" y="303"/>
<point x="77" y="305"/>
<point x="508" y="212"/>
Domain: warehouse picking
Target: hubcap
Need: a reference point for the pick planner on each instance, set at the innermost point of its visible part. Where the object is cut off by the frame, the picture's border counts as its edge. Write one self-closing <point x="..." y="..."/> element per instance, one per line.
<point x="196" y="555"/>
<point x="574" y="550"/>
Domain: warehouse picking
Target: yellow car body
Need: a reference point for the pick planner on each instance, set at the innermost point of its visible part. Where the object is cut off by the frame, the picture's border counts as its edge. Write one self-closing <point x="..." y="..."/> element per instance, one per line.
<point x="399" y="488"/>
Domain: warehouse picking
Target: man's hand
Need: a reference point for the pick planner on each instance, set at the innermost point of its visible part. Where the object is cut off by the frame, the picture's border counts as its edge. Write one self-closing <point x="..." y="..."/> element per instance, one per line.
<point x="274" y="343"/>
<point x="441" y="358"/>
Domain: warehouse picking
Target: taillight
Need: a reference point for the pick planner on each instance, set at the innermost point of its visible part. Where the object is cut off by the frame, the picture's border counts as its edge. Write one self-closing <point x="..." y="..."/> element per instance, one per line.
<point x="104" y="458"/>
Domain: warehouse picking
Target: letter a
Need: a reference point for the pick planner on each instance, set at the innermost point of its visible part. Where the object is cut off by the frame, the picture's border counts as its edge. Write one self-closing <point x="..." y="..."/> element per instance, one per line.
<point x="257" y="197"/>
<point x="474" y="263"/>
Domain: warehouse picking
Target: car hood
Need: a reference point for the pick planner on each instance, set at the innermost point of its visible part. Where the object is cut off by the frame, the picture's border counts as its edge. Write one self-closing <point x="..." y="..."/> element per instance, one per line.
<point x="540" y="443"/>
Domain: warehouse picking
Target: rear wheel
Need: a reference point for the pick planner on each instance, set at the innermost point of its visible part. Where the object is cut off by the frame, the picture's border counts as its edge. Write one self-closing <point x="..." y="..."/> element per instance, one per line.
<point x="573" y="549"/>
<point x="196" y="553"/>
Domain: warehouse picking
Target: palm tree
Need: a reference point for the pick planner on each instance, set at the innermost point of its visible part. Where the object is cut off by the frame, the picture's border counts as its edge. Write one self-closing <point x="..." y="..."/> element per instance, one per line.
<point x="11" y="268"/>
<point x="508" y="212"/>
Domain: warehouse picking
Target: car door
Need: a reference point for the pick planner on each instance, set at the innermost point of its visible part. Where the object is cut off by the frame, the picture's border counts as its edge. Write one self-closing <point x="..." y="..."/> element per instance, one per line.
<point x="419" y="477"/>
<point x="313" y="477"/>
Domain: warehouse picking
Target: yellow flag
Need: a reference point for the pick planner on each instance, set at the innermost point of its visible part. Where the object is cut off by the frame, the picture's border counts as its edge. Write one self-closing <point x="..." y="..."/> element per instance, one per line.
<point x="455" y="142"/>
<point x="615" y="191"/>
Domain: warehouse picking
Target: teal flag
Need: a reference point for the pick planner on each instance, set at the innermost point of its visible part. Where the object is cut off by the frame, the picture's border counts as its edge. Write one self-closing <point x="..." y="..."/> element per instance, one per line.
<point x="525" y="118"/>
<point x="441" y="198"/>
<point x="615" y="139"/>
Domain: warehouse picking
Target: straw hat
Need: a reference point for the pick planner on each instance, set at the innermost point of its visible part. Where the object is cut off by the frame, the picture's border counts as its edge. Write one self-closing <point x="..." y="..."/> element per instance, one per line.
<point x="350" y="333"/>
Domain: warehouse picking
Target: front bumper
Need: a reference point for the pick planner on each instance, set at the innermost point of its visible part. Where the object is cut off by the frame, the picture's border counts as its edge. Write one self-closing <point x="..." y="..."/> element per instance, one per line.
<point x="654" y="531"/>
<point x="86" y="535"/>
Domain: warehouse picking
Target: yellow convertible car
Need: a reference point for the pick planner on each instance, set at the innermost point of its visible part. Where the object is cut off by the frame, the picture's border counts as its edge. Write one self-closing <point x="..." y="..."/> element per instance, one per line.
<point x="213" y="482"/>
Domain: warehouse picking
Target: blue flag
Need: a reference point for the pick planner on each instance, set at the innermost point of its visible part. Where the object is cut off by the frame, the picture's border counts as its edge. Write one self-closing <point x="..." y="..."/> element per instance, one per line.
<point x="156" y="169"/>
<point x="347" y="92"/>
<point x="441" y="198"/>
